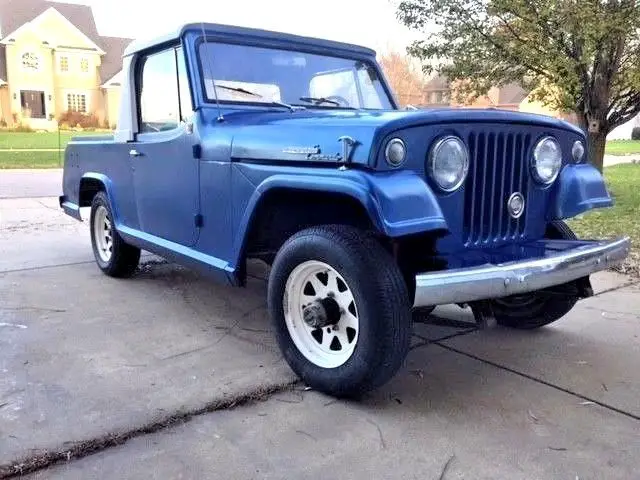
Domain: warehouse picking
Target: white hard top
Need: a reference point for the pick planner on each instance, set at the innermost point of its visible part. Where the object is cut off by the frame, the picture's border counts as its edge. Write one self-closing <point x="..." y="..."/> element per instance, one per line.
<point x="232" y="30"/>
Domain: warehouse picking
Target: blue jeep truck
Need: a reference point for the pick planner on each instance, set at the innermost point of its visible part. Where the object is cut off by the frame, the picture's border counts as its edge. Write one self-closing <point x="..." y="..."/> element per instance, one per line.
<point x="236" y="143"/>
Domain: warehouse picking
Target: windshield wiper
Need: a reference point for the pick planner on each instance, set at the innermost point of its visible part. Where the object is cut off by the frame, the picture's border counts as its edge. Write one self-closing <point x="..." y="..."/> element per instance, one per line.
<point x="254" y="94"/>
<point x="238" y="89"/>
<point x="319" y="100"/>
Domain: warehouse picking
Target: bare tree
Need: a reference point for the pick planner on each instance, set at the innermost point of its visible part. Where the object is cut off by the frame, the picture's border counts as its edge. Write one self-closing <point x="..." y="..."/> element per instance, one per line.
<point x="407" y="81"/>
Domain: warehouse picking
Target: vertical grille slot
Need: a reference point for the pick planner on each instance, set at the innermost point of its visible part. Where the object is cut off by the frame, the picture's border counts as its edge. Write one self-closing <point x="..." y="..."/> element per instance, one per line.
<point x="497" y="170"/>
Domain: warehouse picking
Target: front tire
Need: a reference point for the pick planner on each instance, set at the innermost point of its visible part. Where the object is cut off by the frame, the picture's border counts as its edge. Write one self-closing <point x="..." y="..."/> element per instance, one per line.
<point x="113" y="256"/>
<point x="537" y="309"/>
<point x="340" y="310"/>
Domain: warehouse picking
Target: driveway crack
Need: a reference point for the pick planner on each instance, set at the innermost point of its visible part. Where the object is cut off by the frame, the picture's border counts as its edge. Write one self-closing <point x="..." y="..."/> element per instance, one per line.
<point x="540" y="381"/>
<point x="69" y="451"/>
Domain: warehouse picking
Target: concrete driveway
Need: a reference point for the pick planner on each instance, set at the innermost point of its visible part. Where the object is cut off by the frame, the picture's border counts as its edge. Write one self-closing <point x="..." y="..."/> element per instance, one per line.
<point x="167" y="375"/>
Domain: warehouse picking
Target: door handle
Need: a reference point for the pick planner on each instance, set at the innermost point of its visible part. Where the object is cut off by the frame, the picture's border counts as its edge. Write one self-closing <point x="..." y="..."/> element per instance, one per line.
<point x="134" y="153"/>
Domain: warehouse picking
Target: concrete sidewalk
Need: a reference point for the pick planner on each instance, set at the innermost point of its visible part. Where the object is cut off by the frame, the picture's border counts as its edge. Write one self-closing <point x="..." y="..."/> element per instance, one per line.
<point x="610" y="160"/>
<point x="88" y="362"/>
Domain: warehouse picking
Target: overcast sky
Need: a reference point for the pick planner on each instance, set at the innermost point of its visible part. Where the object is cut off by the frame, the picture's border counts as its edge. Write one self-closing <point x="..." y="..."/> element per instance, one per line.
<point x="371" y="23"/>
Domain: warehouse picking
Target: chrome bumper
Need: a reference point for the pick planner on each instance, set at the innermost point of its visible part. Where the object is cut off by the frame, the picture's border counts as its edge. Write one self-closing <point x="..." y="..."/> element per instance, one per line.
<point x="500" y="280"/>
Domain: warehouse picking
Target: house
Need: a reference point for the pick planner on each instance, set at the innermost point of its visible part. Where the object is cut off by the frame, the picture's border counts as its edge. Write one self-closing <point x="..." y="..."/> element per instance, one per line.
<point x="509" y="97"/>
<point x="437" y="93"/>
<point x="53" y="60"/>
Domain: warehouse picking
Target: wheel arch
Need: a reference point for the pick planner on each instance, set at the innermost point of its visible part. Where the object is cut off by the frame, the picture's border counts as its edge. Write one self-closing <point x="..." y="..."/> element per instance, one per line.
<point x="89" y="187"/>
<point x="90" y="184"/>
<point x="280" y="212"/>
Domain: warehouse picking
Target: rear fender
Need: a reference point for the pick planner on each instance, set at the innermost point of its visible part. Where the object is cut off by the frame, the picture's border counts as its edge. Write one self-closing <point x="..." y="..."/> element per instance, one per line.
<point x="107" y="187"/>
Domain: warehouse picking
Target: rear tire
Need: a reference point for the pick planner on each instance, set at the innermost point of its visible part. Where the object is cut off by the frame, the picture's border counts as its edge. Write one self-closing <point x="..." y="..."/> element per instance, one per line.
<point x="537" y="309"/>
<point x="371" y="313"/>
<point x="113" y="256"/>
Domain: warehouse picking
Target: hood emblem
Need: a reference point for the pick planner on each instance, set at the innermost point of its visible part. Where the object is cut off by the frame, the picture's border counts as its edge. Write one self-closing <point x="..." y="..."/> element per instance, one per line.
<point x="348" y="146"/>
<point x="302" y="150"/>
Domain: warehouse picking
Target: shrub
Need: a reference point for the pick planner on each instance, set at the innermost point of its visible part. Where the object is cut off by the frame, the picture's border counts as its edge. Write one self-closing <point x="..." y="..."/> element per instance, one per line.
<point x="79" y="119"/>
<point x="22" y="127"/>
<point x="635" y="133"/>
<point x="3" y="123"/>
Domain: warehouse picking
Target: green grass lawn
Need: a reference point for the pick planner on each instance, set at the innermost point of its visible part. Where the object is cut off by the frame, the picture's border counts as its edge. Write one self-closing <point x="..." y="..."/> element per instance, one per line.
<point x="622" y="147"/>
<point x="623" y="219"/>
<point x="28" y="159"/>
<point x="27" y="140"/>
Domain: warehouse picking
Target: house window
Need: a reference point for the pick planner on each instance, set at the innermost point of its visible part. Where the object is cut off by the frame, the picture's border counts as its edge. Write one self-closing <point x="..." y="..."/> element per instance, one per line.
<point x="30" y="61"/>
<point x="77" y="102"/>
<point x="64" y="64"/>
<point x="84" y="65"/>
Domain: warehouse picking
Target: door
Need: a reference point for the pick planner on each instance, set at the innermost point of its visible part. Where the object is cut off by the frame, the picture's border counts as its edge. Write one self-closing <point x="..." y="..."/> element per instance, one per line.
<point x="165" y="172"/>
<point x="33" y="101"/>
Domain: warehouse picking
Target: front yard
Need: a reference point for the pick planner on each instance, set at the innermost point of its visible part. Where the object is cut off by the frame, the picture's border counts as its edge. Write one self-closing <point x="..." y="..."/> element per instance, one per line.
<point x="623" y="182"/>
<point x="623" y="147"/>
<point x="35" y="149"/>
<point x="30" y="159"/>
<point x="37" y="140"/>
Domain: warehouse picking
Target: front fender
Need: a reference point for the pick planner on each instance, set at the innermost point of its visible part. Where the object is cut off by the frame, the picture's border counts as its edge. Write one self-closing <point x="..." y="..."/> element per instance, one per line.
<point x="580" y="188"/>
<point x="398" y="203"/>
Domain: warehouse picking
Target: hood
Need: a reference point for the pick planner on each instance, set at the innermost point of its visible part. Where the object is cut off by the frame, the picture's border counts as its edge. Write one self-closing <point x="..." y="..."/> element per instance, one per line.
<point x="313" y="135"/>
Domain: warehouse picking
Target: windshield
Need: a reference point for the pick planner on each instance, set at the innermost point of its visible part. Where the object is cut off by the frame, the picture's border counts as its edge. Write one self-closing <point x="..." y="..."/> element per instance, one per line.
<point x="250" y="74"/>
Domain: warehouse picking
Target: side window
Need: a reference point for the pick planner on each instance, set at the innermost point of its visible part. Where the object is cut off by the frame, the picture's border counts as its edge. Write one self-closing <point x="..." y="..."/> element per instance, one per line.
<point x="183" y="86"/>
<point x="159" y="99"/>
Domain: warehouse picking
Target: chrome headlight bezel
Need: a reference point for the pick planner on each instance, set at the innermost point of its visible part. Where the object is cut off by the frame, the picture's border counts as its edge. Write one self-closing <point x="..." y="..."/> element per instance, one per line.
<point x="388" y="153"/>
<point x="433" y="159"/>
<point x="536" y="161"/>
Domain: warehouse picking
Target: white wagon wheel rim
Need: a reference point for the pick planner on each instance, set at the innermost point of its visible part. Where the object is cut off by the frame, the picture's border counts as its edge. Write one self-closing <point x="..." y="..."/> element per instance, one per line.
<point x="103" y="234"/>
<point x="315" y="288"/>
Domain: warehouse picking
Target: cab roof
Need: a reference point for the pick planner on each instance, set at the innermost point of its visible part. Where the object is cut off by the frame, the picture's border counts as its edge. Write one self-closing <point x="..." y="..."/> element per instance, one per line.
<point x="251" y="35"/>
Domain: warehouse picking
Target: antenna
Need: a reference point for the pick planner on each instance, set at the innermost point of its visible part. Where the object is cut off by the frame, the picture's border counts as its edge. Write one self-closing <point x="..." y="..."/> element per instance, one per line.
<point x="210" y="73"/>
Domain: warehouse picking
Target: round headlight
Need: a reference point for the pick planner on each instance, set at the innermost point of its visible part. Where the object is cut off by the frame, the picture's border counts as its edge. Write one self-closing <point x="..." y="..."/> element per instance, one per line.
<point x="577" y="151"/>
<point x="395" y="152"/>
<point x="547" y="160"/>
<point x="448" y="163"/>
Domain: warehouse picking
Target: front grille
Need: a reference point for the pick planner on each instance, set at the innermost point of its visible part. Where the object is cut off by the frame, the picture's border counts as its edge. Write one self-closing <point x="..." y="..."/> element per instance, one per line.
<point x="497" y="169"/>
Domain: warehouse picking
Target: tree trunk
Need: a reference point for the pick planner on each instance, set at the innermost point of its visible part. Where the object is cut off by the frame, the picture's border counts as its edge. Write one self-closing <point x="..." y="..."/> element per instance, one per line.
<point x="597" y="144"/>
<point x="596" y="137"/>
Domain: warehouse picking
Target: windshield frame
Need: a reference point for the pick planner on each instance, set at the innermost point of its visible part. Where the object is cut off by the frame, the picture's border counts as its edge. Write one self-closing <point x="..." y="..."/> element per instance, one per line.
<point x="201" y="65"/>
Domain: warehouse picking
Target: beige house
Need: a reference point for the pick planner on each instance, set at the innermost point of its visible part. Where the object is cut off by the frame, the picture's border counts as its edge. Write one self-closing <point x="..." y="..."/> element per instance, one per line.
<point x="52" y="60"/>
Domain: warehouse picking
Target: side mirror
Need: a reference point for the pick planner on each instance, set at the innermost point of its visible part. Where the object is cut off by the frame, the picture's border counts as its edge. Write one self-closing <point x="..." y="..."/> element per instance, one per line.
<point x="411" y="107"/>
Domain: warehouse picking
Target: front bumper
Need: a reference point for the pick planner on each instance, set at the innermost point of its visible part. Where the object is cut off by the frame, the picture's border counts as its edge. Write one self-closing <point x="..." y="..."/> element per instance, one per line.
<point x="488" y="281"/>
